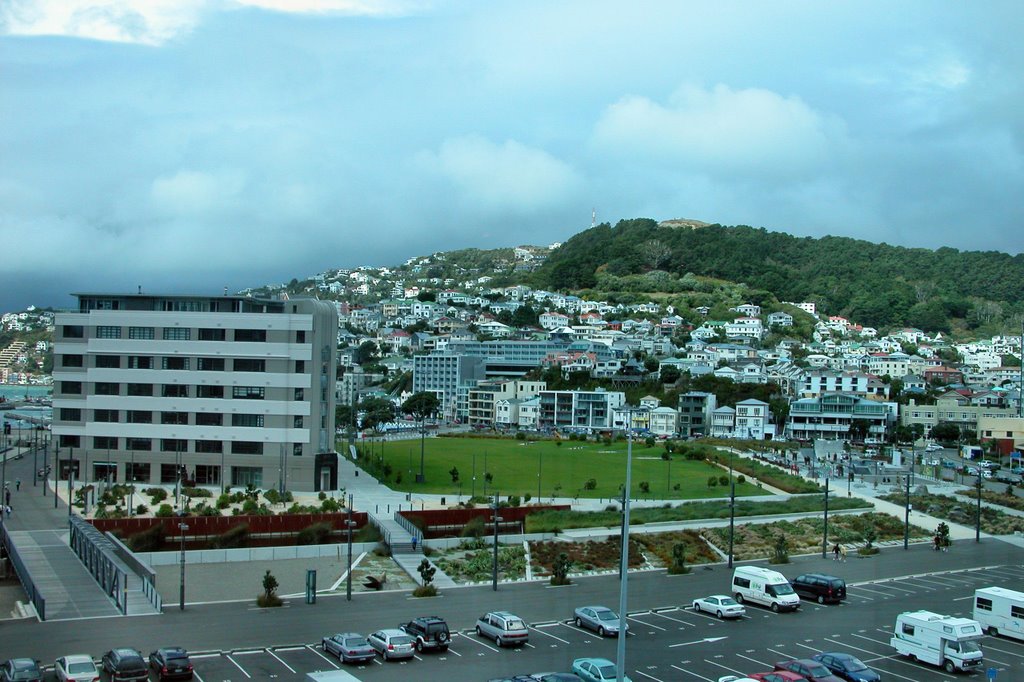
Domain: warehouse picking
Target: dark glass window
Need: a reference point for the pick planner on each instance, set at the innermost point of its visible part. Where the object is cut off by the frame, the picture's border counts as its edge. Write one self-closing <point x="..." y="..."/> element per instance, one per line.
<point x="174" y="417"/>
<point x="244" y="447"/>
<point x="73" y="331"/>
<point x="259" y="335"/>
<point x="177" y="334"/>
<point x="300" y="336"/>
<point x="108" y="416"/>
<point x="144" y="444"/>
<point x="210" y="364"/>
<point x="141" y="333"/>
<point x="71" y="361"/>
<point x="173" y="445"/>
<point x="175" y="391"/>
<point x="300" y="367"/>
<point x="108" y="332"/>
<point x="247" y="392"/>
<point x="70" y="414"/>
<point x="104" y="442"/>
<point x="209" y="391"/>
<point x="139" y="417"/>
<point x="70" y="442"/>
<point x="247" y="420"/>
<point x="174" y="363"/>
<point x="107" y="388"/>
<point x="139" y="389"/>
<point x="209" y="419"/>
<point x="71" y="387"/>
<point x="108" y="361"/>
<point x="211" y="335"/>
<point x="209" y="446"/>
<point x="250" y="365"/>
<point x="140" y="362"/>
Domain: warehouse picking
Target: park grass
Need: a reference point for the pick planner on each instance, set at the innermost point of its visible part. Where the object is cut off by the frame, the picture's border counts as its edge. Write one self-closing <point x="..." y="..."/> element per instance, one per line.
<point x="530" y="467"/>
<point x="555" y="521"/>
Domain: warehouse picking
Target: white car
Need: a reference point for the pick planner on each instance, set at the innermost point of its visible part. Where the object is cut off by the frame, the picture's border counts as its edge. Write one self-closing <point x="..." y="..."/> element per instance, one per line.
<point x="77" y="668"/>
<point x="933" y="447"/>
<point x="721" y="605"/>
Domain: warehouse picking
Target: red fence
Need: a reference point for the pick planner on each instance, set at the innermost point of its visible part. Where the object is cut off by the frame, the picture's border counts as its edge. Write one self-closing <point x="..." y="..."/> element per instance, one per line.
<point x="437" y="523"/>
<point x="209" y="526"/>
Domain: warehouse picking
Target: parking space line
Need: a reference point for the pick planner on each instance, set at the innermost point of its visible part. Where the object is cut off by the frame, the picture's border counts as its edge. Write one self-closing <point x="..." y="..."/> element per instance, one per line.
<point x="312" y="647"/>
<point x="197" y="676"/>
<point x="867" y="589"/>
<point x="868" y="651"/>
<point x="677" y="620"/>
<point x="683" y="670"/>
<point x="989" y="647"/>
<point x="641" y="672"/>
<point x="281" y="662"/>
<point x="453" y="651"/>
<point x="565" y="641"/>
<point x="656" y="627"/>
<point x="814" y="649"/>
<point x="723" y="667"/>
<point x="893" y="587"/>
<point x="933" y="581"/>
<point x="916" y="582"/>
<point x="754" y="660"/>
<point x="476" y="640"/>
<point x="228" y="656"/>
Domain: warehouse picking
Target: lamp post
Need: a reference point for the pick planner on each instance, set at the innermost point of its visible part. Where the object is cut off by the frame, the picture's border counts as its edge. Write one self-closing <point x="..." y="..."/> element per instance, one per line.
<point x="473" y="494"/>
<point x="824" y="537"/>
<point x="977" y="516"/>
<point x="181" y="593"/>
<point x="35" y="454"/>
<point x="494" y="571"/>
<point x="348" y="576"/>
<point x="620" y="654"/>
<point x="130" y="480"/>
<point x="732" y="508"/>
<point x="540" y="464"/>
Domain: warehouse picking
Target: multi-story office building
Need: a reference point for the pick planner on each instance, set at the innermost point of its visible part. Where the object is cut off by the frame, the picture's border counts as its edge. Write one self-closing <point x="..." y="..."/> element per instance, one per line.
<point x="449" y="377"/>
<point x="831" y="415"/>
<point x="695" y="410"/>
<point x="217" y="390"/>
<point x="483" y="398"/>
<point x="579" y="411"/>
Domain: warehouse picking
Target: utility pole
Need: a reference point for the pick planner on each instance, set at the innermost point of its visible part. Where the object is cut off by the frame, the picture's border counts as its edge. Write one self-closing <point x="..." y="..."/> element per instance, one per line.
<point x="348" y="576"/>
<point x="732" y="508"/>
<point x="977" y="518"/>
<point x="906" y="516"/>
<point x="824" y="539"/>
<point x="494" y="572"/>
<point x="620" y="667"/>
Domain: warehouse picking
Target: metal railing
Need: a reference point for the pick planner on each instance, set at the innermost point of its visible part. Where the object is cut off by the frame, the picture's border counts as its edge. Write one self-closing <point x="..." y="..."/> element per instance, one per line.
<point x="97" y="554"/>
<point x="38" y="600"/>
<point x="146" y="574"/>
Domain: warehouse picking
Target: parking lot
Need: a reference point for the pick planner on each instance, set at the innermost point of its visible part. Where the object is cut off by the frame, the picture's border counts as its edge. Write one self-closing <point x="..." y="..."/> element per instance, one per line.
<point x="675" y="643"/>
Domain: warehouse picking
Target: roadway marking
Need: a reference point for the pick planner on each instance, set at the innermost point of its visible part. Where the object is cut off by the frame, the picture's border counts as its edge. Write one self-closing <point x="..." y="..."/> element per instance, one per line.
<point x="876" y="657"/>
<point x="707" y="640"/>
<point x="682" y="670"/>
<point x="817" y="651"/>
<point x="197" y="676"/>
<point x="677" y="620"/>
<point x="312" y="647"/>
<point x="724" y="667"/>
<point x="565" y="641"/>
<point x="282" y="662"/>
<point x="754" y="660"/>
<point x="656" y="627"/>
<point x="228" y="656"/>
<point x="988" y="647"/>
<point x="476" y="640"/>
<point x="641" y="672"/>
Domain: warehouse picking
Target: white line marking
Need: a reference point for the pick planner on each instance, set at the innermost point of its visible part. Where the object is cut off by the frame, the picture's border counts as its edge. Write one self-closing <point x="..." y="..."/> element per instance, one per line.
<point x="282" y="662"/>
<point x="476" y="640"/>
<point x="565" y="641"/>
<point x="228" y="656"/>
<point x="312" y="647"/>
<point x="707" y="679"/>
<point x="656" y="627"/>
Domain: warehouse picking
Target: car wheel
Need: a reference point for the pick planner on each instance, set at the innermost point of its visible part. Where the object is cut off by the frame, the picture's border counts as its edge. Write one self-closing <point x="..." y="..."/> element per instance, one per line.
<point x="992" y="631"/>
<point x="479" y="632"/>
<point x="775" y="607"/>
<point x="696" y="606"/>
<point x="949" y="667"/>
<point x="719" y="614"/>
<point x="499" y="642"/>
<point x="419" y="646"/>
<point x="600" y="631"/>
<point x="739" y="598"/>
<point x="579" y="623"/>
<point x="821" y="599"/>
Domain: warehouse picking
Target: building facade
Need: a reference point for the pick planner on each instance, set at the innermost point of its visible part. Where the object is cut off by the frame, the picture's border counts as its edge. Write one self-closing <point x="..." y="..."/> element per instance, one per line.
<point x="212" y="390"/>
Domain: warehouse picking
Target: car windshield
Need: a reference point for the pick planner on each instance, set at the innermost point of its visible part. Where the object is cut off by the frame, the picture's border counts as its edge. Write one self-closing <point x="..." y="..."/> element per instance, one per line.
<point x="607" y="672"/>
<point x="356" y="641"/>
<point x="727" y="601"/>
<point x="969" y="647"/>
<point x="779" y="590"/>
<point x="401" y="640"/>
<point x="854" y="664"/>
<point x="607" y="615"/>
<point x="818" y="670"/>
<point x="80" y="668"/>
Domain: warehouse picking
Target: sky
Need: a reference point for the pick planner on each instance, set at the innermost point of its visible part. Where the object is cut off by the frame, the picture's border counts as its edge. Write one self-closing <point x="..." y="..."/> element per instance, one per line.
<point x="188" y="146"/>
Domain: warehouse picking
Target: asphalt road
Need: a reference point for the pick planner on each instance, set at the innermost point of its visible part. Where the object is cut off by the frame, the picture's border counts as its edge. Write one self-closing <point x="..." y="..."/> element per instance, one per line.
<point x="669" y="642"/>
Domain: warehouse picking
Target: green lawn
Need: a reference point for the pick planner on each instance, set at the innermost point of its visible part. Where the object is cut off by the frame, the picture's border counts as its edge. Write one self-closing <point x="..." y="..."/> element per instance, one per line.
<point x="520" y="467"/>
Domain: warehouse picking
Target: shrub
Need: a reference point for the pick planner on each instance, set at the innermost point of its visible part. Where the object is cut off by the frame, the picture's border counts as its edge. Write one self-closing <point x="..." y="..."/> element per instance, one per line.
<point x="560" y="570"/>
<point x="590" y="484"/>
<point x="157" y="495"/>
<point x="164" y="511"/>
<point x="269" y="597"/>
<point x="224" y="501"/>
<point x="558" y="444"/>
<point x="780" y="551"/>
<point x="237" y="536"/>
<point x="514" y="501"/>
<point x="645" y="487"/>
<point x="678" y="566"/>
<point x="330" y="505"/>
<point x="520" y="435"/>
<point x="474" y="528"/>
<point x="425" y="591"/>
<point x="196" y="492"/>
<point x="149" y="540"/>
<point x="368" y="533"/>
<point x="723" y="481"/>
<point x="712" y="481"/>
<point x="426" y="571"/>
<point x="314" y="534"/>
<point x="321" y="495"/>
<point x="141" y="509"/>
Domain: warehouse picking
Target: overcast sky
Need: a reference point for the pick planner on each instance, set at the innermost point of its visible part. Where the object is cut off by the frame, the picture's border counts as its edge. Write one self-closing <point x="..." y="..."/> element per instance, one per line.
<point x="192" y="145"/>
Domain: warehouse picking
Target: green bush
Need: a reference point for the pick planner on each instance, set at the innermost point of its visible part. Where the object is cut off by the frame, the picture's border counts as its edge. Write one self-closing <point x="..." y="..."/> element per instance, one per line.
<point x="237" y="536"/>
<point x="474" y="528"/>
<point x="315" y="534"/>
<point x="330" y="505"/>
<point x="164" y="511"/>
<point x="224" y="501"/>
<point x="520" y="435"/>
<point x="141" y="509"/>
<point x="425" y="591"/>
<point x="157" y="495"/>
<point x="150" y="540"/>
<point x="196" y="492"/>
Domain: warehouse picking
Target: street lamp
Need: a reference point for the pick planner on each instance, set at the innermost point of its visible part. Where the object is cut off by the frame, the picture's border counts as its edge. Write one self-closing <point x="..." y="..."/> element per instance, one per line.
<point x="181" y="594"/>
<point x="494" y="573"/>
<point x="732" y="507"/>
<point x="349" y="524"/>
<point x="620" y="667"/>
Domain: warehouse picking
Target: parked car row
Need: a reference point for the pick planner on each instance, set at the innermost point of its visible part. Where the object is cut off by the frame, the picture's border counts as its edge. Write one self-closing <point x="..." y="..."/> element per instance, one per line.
<point x="120" y="664"/>
<point x="823" y="667"/>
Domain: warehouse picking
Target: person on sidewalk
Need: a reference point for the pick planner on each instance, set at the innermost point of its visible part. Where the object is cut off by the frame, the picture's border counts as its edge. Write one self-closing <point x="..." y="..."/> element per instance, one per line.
<point x="414" y="543"/>
<point x="842" y="552"/>
<point x="17" y="484"/>
<point x="835" y="552"/>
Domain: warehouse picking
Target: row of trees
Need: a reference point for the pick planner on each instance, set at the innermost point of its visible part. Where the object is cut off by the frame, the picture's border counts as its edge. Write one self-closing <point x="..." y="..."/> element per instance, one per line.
<point x="374" y="412"/>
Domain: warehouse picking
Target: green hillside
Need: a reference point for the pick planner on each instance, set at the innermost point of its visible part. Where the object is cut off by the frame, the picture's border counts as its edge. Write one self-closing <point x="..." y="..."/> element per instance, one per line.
<point x="874" y="284"/>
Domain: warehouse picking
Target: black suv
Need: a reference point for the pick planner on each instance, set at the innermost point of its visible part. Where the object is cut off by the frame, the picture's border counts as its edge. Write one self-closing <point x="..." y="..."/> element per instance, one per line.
<point x="171" y="663"/>
<point x="125" y="664"/>
<point x="430" y="632"/>
<point x="821" y="587"/>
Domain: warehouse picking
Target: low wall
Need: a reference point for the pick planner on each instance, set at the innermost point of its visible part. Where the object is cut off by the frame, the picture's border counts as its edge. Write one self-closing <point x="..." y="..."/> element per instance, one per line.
<point x="220" y="556"/>
<point x="437" y="523"/>
<point x="204" y="527"/>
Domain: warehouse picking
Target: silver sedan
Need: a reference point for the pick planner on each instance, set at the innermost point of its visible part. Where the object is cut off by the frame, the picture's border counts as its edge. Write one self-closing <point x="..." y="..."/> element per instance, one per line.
<point x="349" y="647"/>
<point x="600" y="619"/>
<point x="392" y="643"/>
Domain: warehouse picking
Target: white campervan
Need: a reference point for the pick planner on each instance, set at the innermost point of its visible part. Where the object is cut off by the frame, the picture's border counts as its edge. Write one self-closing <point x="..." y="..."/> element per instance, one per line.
<point x="764" y="586"/>
<point x="1000" y="611"/>
<point x="945" y="641"/>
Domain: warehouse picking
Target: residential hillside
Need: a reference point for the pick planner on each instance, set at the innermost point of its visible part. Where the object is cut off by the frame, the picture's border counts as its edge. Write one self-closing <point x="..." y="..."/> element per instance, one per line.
<point x="877" y="284"/>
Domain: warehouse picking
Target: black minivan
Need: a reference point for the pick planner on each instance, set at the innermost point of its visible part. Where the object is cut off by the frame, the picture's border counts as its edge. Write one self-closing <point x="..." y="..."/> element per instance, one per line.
<point x="820" y="587"/>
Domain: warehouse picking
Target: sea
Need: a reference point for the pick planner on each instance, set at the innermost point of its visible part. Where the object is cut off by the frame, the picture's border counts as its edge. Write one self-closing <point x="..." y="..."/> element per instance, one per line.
<point x="15" y="392"/>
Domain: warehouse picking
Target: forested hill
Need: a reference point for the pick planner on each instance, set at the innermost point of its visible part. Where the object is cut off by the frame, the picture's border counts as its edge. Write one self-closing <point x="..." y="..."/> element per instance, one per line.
<point x="874" y="284"/>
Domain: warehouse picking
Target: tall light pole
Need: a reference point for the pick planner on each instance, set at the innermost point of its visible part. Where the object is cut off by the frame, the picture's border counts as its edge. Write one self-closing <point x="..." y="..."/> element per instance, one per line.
<point x="540" y="463"/>
<point x="494" y="572"/>
<point x="824" y="537"/>
<point x="977" y="517"/>
<point x="620" y="654"/>
<point x="182" y="526"/>
<point x="348" y="577"/>
<point x="732" y="508"/>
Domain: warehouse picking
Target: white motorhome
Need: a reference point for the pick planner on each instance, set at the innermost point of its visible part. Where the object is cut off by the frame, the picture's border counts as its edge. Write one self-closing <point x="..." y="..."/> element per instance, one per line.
<point x="945" y="641"/>
<point x="1000" y="611"/>
<point x="764" y="586"/>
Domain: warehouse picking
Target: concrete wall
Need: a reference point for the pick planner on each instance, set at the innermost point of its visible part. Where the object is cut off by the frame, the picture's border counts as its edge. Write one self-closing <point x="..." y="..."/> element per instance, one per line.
<point x="219" y="556"/>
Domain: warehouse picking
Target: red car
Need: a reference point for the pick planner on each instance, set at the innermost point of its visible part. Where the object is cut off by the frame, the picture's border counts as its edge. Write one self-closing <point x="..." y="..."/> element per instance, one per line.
<point x="809" y="669"/>
<point x="778" y="676"/>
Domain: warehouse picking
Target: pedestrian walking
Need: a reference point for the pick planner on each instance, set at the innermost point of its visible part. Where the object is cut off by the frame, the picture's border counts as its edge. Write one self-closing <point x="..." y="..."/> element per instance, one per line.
<point x="937" y="542"/>
<point x="8" y="510"/>
<point x="842" y="552"/>
<point x="17" y="484"/>
<point x="835" y="552"/>
<point x="414" y="543"/>
<point x="7" y="497"/>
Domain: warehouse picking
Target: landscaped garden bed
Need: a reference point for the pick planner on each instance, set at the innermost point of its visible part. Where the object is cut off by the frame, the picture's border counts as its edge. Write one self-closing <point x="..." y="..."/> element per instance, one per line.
<point x="473" y="561"/>
<point x="993" y="521"/>
<point x="585" y="557"/>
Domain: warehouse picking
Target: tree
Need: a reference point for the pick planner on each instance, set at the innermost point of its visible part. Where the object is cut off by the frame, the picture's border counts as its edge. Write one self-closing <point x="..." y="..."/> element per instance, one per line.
<point x="670" y="374"/>
<point x="376" y="411"/>
<point x="946" y="432"/>
<point x="454" y="473"/>
<point x="859" y="429"/>
<point x="421" y="405"/>
<point x="269" y="596"/>
<point x="367" y="352"/>
<point x="560" y="569"/>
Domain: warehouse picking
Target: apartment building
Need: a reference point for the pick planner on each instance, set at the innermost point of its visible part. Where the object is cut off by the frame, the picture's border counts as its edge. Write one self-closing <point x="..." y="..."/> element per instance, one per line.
<point x="578" y="411"/>
<point x="484" y="398"/>
<point x="216" y="390"/>
<point x="830" y="416"/>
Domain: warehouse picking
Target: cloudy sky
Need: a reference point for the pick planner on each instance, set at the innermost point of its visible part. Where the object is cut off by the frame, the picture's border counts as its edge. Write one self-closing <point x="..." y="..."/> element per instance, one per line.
<point x="192" y="145"/>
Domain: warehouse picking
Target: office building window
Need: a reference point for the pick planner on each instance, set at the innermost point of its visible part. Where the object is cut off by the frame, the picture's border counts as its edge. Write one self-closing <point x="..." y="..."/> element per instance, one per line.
<point x="211" y="335"/>
<point x="108" y="416"/>
<point x="246" y="447"/>
<point x="73" y="331"/>
<point x="104" y="443"/>
<point x="70" y="441"/>
<point x="174" y="363"/>
<point x="169" y="473"/>
<point x="209" y="391"/>
<point x="139" y="389"/>
<point x="300" y="336"/>
<point x="174" y="417"/>
<point x="247" y="392"/>
<point x="209" y="446"/>
<point x="247" y="420"/>
<point x="208" y="474"/>
<point x="246" y="476"/>
<point x="143" y="444"/>
<point x="173" y="445"/>
<point x="257" y="335"/>
<point x="71" y="387"/>
<point x="249" y="365"/>
<point x="210" y="364"/>
<point x="297" y="422"/>
<point x="140" y="362"/>
<point x="140" y="333"/>
<point x="177" y="334"/>
<point x="108" y="332"/>
<point x="136" y="472"/>
<point x="300" y="394"/>
<point x="108" y="361"/>
<point x="300" y="367"/>
<point x="71" y="361"/>
<point x="139" y="417"/>
<point x="174" y="391"/>
<point x="70" y="414"/>
<point x="297" y="449"/>
<point x="107" y="388"/>
<point x="209" y="419"/>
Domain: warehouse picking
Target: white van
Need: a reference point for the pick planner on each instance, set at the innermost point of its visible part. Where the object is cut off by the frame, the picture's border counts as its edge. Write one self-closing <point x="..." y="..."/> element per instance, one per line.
<point x="1000" y="611"/>
<point x="945" y="641"/>
<point x="764" y="586"/>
